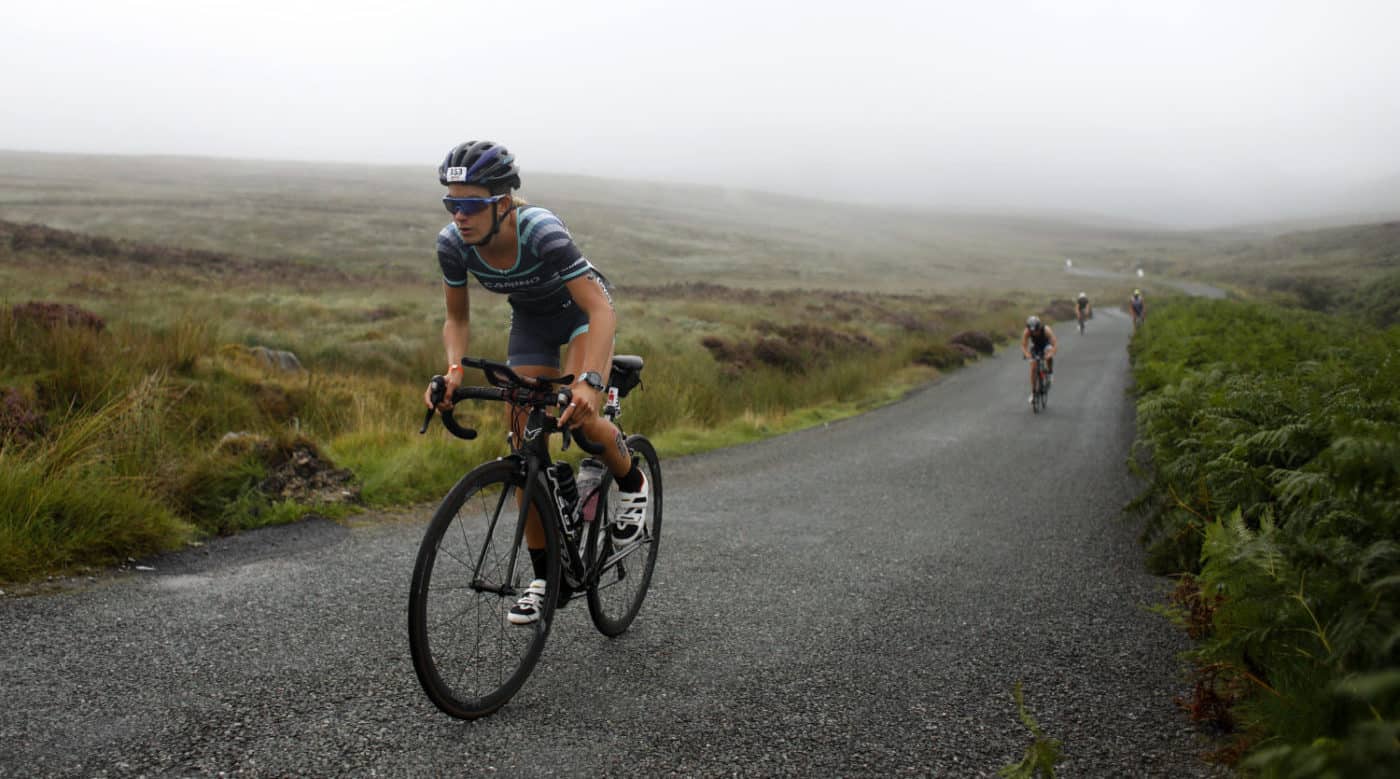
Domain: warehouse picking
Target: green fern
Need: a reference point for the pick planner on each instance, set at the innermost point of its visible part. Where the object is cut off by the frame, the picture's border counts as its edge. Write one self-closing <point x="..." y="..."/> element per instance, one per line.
<point x="1042" y="755"/>
<point x="1274" y="441"/>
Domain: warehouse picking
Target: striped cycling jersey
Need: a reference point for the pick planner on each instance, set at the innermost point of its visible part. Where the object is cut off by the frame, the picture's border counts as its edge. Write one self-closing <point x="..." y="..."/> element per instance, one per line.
<point x="545" y="259"/>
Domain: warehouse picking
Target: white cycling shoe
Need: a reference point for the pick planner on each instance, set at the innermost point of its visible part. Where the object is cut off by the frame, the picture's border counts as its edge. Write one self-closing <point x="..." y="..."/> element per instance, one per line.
<point x="631" y="514"/>
<point x="527" y="610"/>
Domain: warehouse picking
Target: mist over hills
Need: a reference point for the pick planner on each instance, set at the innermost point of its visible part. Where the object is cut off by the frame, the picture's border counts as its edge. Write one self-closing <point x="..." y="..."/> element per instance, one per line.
<point x="387" y="216"/>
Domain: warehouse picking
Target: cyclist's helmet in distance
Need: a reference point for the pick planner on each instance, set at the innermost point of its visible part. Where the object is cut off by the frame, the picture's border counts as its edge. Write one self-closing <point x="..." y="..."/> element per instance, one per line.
<point x="1137" y="293"/>
<point x="1033" y="322"/>
<point x="1083" y="296"/>
<point x="482" y="163"/>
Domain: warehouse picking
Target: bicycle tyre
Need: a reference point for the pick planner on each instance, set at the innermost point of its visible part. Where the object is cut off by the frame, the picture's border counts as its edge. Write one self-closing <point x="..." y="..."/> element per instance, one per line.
<point x="616" y="593"/>
<point x="468" y="658"/>
<point x="1037" y="392"/>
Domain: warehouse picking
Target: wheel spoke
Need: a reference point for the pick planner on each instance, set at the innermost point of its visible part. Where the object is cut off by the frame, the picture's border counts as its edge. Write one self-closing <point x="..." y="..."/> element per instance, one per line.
<point x="617" y="592"/>
<point x="468" y="656"/>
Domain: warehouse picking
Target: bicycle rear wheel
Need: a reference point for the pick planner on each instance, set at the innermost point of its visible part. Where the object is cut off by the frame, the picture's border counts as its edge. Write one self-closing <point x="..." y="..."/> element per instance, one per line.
<point x="473" y="565"/>
<point x="616" y="595"/>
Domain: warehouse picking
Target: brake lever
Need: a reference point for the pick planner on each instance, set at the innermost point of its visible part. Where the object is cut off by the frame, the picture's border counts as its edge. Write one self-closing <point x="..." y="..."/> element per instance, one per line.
<point x="565" y="399"/>
<point x="439" y="385"/>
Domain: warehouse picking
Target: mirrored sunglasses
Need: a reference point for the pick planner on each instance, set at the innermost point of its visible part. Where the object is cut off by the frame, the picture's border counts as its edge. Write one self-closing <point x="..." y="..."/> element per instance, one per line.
<point x="468" y="205"/>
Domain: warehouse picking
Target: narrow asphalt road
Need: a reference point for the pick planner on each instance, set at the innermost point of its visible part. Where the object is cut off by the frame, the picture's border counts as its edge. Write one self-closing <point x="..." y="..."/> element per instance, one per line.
<point x="855" y="599"/>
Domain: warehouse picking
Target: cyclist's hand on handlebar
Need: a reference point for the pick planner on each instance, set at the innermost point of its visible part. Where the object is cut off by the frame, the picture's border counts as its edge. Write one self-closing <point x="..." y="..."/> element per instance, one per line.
<point x="453" y="380"/>
<point x="582" y="407"/>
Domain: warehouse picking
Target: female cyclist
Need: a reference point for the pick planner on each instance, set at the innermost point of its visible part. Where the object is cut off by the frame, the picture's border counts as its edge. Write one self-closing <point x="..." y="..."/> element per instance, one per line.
<point x="557" y="299"/>
<point x="1038" y="340"/>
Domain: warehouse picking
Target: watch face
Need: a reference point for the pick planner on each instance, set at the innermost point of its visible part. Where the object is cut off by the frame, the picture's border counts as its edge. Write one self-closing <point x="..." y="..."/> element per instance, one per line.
<point x="593" y="379"/>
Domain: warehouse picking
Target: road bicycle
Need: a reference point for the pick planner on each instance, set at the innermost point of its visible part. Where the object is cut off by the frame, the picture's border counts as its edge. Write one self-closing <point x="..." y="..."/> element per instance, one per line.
<point x="1040" y="385"/>
<point x="473" y="563"/>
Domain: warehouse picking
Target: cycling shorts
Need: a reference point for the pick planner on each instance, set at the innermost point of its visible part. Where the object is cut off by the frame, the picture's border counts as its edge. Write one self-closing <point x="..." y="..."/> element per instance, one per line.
<point x="536" y="337"/>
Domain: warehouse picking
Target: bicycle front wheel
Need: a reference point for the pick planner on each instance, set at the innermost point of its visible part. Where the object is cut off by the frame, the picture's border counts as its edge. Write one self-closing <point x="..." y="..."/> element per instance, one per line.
<point x="473" y="565"/>
<point x="624" y="574"/>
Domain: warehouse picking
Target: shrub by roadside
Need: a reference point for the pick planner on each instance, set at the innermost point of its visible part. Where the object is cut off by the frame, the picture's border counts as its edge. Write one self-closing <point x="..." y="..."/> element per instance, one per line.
<point x="975" y="340"/>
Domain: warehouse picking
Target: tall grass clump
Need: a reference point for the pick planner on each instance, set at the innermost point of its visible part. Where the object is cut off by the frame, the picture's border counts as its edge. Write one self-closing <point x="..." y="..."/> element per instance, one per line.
<point x="110" y="441"/>
<point x="1274" y="492"/>
<point x="67" y="501"/>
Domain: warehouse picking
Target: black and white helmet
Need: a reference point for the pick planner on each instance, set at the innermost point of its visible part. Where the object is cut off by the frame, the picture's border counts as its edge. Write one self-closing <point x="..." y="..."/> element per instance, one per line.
<point x="1083" y="296"/>
<point x="482" y="163"/>
<point x="1033" y="322"/>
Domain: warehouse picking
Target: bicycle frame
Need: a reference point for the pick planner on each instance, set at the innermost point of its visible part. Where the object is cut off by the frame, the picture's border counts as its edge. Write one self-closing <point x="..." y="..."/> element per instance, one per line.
<point x="1039" y="384"/>
<point x="531" y="453"/>
<point x="532" y="456"/>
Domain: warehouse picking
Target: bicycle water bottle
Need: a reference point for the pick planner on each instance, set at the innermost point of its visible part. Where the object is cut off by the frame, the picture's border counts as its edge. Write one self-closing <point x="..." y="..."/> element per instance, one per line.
<point x="590" y="476"/>
<point x="561" y="476"/>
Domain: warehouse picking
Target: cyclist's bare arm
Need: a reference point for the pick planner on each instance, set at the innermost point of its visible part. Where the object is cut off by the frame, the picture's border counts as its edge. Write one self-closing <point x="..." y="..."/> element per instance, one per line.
<point x="456" y="336"/>
<point x="1025" y="343"/>
<point x="602" y="323"/>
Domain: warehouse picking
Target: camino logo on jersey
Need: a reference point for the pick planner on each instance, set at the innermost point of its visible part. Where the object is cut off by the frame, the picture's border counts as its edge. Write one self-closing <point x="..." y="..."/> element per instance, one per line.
<point x="456" y="174"/>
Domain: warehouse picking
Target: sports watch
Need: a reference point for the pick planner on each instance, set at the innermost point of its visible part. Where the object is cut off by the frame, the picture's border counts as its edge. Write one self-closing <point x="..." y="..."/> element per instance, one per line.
<point x="593" y="379"/>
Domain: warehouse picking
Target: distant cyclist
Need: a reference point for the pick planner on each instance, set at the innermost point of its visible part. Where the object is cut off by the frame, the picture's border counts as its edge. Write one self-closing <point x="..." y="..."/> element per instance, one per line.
<point x="1085" y="311"/>
<point x="1139" y="308"/>
<point x="557" y="298"/>
<point x="1039" y="341"/>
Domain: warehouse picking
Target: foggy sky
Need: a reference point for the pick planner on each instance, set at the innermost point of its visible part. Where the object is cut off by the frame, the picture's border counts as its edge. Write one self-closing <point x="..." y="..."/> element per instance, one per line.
<point x="1177" y="112"/>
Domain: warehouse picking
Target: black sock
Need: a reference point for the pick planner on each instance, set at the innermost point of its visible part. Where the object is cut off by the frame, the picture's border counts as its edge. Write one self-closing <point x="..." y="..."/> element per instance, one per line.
<point x="632" y="482"/>
<point x="539" y="560"/>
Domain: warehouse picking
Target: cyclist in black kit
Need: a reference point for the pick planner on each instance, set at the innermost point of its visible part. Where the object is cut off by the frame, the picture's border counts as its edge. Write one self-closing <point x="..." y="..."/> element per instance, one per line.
<point x="557" y="299"/>
<point x="1039" y="340"/>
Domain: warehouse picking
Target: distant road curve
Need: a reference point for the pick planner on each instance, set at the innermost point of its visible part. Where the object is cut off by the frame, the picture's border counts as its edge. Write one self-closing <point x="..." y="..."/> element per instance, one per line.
<point x="1193" y="288"/>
